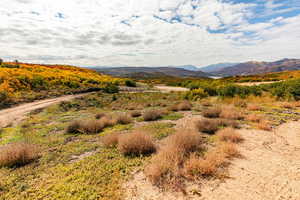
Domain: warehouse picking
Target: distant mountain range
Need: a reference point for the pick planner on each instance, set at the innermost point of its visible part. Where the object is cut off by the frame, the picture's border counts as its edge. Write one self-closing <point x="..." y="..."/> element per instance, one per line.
<point x="254" y="67"/>
<point x="152" y="72"/>
<point x="216" y="67"/>
<point x="218" y="70"/>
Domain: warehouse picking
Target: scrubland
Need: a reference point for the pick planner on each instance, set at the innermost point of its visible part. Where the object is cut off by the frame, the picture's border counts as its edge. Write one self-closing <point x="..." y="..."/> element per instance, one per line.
<point x="89" y="147"/>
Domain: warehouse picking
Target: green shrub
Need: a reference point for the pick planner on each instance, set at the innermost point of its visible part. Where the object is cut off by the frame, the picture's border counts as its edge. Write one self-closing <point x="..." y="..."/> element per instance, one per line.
<point x="195" y="94"/>
<point x="130" y="83"/>
<point x="111" y="88"/>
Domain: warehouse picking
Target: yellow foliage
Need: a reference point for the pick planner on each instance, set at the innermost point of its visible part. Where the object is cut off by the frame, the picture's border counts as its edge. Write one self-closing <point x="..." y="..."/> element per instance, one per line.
<point x="35" y="78"/>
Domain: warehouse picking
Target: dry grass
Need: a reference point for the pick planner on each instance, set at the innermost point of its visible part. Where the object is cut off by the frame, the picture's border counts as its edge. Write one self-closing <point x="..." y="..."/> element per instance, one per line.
<point x="151" y="115"/>
<point x="136" y="143"/>
<point x="264" y="125"/>
<point x="212" y="112"/>
<point x="213" y="161"/>
<point x="240" y="103"/>
<point x="184" y="106"/>
<point x="209" y="126"/>
<point x="165" y="167"/>
<point x="123" y="118"/>
<point x="229" y="135"/>
<point x="17" y="154"/>
<point x="230" y="112"/>
<point x="90" y="126"/>
<point x="135" y="113"/>
<point x="254" y="107"/>
<point x="110" y="140"/>
<point x="254" y="118"/>
<point x="229" y="149"/>
<point x="209" y="165"/>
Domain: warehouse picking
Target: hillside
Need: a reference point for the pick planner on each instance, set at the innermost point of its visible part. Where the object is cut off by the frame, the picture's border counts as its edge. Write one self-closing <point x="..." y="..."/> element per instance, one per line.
<point x="134" y="72"/>
<point x="21" y="82"/>
<point x="253" y="67"/>
<point x="216" y="67"/>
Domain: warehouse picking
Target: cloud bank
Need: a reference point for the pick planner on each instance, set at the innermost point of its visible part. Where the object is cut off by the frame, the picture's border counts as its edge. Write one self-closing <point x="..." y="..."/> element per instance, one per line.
<point x="148" y="32"/>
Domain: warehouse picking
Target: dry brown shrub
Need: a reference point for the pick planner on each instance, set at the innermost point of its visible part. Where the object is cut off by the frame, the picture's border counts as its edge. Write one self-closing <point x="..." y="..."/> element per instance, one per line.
<point x="209" y="126"/>
<point x="165" y="166"/>
<point x="228" y="123"/>
<point x="254" y="107"/>
<point x="212" y="112"/>
<point x="135" y="113"/>
<point x="229" y="149"/>
<point x="108" y="121"/>
<point x="110" y="140"/>
<point x="173" y="108"/>
<point x="151" y="115"/>
<point x="184" y="106"/>
<point x="196" y="166"/>
<point x="92" y="126"/>
<point x="207" y="166"/>
<point x="229" y="135"/>
<point x="100" y="115"/>
<point x="123" y="118"/>
<point x="17" y="154"/>
<point x="254" y="118"/>
<point x="136" y="143"/>
<point x="74" y="127"/>
<point x="264" y="125"/>
<point x="185" y="141"/>
<point x="230" y="112"/>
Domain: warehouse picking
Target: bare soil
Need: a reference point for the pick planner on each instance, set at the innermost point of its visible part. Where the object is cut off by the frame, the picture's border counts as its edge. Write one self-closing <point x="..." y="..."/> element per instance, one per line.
<point x="170" y="88"/>
<point x="269" y="170"/>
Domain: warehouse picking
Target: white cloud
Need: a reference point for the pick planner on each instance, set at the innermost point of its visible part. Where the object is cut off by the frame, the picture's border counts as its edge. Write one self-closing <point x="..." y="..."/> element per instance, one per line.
<point x="125" y="32"/>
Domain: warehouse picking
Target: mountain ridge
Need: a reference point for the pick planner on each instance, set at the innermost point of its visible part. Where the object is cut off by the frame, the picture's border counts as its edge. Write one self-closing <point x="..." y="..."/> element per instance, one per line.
<point x="257" y="67"/>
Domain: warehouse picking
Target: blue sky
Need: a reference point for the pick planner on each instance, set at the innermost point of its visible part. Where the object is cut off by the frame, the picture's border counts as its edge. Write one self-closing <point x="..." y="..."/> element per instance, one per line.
<point x="149" y="32"/>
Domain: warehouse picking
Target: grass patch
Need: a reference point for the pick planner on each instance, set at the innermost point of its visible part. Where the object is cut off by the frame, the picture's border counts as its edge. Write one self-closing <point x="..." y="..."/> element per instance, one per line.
<point x="159" y="130"/>
<point x="172" y="116"/>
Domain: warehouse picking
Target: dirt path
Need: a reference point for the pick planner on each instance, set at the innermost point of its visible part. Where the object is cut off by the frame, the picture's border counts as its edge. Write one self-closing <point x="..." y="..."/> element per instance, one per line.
<point x="270" y="170"/>
<point x="16" y="114"/>
<point x="256" y="83"/>
<point x="170" y="88"/>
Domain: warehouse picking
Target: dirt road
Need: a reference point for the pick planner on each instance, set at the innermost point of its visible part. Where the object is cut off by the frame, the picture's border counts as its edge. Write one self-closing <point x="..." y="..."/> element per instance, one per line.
<point x="170" y="88"/>
<point x="269" y="170"/>
<point x="16" y="114"/>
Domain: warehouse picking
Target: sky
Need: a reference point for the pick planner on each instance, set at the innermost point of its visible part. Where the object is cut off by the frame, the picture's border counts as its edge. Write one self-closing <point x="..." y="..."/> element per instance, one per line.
<point x="148" y="32"/>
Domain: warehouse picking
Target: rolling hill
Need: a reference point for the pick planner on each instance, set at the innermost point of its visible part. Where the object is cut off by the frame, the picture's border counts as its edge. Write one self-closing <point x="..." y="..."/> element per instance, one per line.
<point x="153" y="72"/>
<point x="254" y="67"/>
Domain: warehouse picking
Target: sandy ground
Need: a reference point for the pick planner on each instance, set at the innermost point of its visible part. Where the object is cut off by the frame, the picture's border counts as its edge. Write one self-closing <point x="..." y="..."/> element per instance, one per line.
<point x="269" y="170"/>
<point x="12" y="116"/>
<point x="170" y="89"/>
<point x="256" y="83"/>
